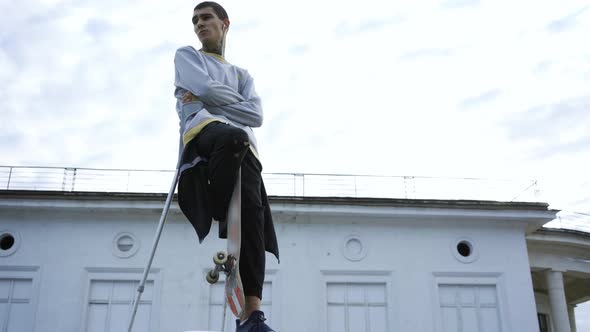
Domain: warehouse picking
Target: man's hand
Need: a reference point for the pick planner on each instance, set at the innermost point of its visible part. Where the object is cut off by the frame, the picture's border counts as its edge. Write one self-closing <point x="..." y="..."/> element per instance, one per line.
<point x="189" y="97"/>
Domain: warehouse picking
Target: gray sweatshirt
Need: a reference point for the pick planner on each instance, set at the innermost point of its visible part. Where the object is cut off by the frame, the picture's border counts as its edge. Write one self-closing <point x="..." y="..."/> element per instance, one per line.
<point x="223" y="92"/>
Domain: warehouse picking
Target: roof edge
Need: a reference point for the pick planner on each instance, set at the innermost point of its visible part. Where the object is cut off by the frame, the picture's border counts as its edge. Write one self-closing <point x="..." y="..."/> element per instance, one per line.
<point x="308" y="200"/>
<point x="560" y="236"/>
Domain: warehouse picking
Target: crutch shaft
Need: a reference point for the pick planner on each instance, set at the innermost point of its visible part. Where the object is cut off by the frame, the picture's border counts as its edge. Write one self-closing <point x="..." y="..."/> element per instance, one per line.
<point x="141" y="286"/>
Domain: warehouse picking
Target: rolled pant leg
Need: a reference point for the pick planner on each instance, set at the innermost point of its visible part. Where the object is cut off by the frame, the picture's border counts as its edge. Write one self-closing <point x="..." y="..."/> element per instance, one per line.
<point x="252" y="255"/>
<point x="227" y="149"/>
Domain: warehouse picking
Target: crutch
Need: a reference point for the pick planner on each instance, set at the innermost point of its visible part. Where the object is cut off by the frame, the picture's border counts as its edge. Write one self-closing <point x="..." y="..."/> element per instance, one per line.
<point x="141" y="286"/>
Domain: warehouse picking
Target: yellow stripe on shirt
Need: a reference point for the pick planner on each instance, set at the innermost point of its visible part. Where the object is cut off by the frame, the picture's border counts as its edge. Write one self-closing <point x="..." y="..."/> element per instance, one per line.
<point x="194" y="131"/>
<point x="217" y="56"/>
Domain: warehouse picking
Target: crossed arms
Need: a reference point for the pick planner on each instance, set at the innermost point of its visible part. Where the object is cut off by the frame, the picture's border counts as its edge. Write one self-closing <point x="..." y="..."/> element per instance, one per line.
<point x="242" y="106"/>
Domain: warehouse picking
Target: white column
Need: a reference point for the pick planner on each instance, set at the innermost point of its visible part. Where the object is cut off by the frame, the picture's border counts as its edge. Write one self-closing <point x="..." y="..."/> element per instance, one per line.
<point x="559" y="310"/>
<point x="572" y="314"/>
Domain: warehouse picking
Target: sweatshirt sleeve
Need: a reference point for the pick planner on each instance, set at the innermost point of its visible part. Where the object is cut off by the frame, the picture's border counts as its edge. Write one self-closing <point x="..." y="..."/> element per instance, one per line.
<point x="247" y="112"/>
<point x="191" y="75"/>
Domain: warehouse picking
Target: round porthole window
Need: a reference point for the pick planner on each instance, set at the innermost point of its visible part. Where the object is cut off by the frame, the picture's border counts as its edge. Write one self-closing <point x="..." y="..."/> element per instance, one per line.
<point x="464" y="250"/>
<point x="125" y="245"/>
<point x="353" y="248"/>
<point x="9" y="242"/>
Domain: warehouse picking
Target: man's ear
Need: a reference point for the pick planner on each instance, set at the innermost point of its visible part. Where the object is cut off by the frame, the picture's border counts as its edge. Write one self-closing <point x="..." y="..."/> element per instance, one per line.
<point x="225" y="25"/>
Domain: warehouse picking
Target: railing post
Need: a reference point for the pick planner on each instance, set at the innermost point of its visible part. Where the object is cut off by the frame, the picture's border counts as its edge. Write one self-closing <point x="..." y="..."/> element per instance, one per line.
<point x="74" y="179"/>
<point x="67" y="178"/>
<point x="9" y="177"/>
<point x="63" y="182"/>
<point x="405" y="187"/>
<point x="128" y="178"/>
<point x="406" y="179"/>
<point x="298" y="178"/>
<point x="303" y="185"/>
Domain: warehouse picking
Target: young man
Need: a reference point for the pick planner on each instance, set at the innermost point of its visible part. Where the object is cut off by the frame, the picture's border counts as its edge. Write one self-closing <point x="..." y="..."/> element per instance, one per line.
<point x="218" y="106"/>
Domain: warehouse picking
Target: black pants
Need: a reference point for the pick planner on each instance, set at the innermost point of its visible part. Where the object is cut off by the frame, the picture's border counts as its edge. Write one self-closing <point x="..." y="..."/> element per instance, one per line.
<point x="227" y="148"/>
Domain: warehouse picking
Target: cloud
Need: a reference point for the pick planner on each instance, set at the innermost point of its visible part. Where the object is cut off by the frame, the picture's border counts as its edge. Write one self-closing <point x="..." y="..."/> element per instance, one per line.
<point x="298" y="50"/>
<point x="9" y="138"/>
<point x="426" y="53"/>
<point x="98" y="27"/>
<point x="552" y="129"/>
<point x="79" y="86"/>
<point x="346" y="28"/>
<point x="86" y="83"/>
<point x="485" y="97"/>
<point x="244" y="26"/>
<point x="455" y="4"/>
<point x="558" y="147"/>
<point x="565" y="23"/>
<point x="543" y="66"/>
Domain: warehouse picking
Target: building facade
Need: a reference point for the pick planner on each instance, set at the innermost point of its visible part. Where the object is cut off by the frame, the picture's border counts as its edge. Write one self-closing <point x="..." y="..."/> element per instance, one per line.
<point x="71" y="261"/>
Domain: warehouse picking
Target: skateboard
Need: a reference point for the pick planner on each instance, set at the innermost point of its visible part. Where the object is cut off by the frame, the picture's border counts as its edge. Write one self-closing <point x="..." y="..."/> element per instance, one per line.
<point x="228" y="262"/>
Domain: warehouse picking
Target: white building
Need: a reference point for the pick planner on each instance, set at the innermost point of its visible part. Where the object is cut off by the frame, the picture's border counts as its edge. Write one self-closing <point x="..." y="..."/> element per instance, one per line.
<point x="70" y="262"/>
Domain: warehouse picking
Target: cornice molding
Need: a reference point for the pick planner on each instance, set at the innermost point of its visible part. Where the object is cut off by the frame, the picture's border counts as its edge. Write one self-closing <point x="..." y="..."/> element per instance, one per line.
<point x="531" y="215"/>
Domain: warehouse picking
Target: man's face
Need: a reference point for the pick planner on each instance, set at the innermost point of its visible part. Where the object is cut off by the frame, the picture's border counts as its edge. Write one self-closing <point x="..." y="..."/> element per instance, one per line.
<point x="208" y="27"/>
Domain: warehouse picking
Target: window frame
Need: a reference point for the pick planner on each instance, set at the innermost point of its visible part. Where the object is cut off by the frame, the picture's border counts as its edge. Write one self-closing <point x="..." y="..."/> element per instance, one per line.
<point x="359" y="277"/>
<point x="123" y="274"/>
<point x="469" y="279"/>
<point x="25" y="273"/>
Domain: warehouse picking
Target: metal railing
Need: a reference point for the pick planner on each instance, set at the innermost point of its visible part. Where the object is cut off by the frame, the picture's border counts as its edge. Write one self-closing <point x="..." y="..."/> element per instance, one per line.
<point x="278" y="184"/>
<point x="292" y="184"/>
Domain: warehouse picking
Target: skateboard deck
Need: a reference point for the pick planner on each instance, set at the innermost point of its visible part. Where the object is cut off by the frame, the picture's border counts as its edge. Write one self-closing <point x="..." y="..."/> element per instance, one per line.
<point x="234" y="290"/>
<point x="228" y="262"/>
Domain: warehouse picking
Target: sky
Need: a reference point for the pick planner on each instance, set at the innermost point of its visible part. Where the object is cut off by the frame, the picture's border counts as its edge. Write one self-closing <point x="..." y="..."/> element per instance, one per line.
<point x="459" y="88"/>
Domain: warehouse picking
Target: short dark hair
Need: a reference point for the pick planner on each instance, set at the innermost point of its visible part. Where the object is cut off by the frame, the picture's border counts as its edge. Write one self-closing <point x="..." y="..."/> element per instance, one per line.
<point x="221" y="13"/>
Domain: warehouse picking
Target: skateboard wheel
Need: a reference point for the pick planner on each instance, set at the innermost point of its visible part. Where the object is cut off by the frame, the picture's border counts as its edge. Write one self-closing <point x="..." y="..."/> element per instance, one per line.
<point x="220" y="258"/>
<point x="212" y="276"/>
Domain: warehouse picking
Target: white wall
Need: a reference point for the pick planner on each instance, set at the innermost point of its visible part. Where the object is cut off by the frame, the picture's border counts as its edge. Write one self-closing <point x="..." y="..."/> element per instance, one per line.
<point x="408" y="256"/>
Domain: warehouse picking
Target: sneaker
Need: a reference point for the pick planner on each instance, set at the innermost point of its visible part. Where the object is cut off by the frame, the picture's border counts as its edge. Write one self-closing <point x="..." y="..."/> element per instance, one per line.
<point x="254" y="323"/>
